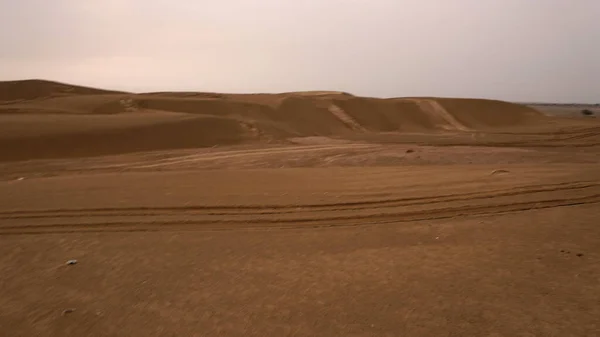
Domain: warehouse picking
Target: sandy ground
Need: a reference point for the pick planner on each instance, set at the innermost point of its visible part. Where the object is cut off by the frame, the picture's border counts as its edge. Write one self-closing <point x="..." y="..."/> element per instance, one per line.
<point x="462" y="232"/>
<point x="504" y="247"/>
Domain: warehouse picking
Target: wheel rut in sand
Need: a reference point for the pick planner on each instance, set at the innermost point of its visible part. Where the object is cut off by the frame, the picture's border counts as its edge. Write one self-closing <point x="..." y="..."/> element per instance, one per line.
<point x="248" y="153"/>
<point x="342" y="214"/>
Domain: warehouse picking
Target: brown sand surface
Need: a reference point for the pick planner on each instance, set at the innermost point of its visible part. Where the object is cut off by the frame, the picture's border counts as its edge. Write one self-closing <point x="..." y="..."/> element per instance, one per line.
<point x="295" y="214"/>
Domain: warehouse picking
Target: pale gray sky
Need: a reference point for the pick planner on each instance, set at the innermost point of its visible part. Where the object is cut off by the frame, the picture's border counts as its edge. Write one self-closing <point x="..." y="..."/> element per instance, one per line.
<point x="520" y="50"/>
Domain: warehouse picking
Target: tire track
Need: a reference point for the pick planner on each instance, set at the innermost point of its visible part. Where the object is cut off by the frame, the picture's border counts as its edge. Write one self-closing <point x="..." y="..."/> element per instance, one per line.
<point x="350" y="214"/>
<point x="267" y="209"/>
<point x="231" y="153"/>
<point x="248" y="153"/>
<point x="192" y="225"/>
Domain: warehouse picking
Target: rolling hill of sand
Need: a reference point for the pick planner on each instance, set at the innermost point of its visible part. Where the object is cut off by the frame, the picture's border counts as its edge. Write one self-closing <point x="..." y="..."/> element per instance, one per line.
<point x="42" y="119"/>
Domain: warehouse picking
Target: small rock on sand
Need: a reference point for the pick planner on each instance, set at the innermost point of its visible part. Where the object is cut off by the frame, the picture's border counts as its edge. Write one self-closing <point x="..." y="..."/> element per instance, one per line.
<point x="499" y="172"/>
<point x="68" y="311"/>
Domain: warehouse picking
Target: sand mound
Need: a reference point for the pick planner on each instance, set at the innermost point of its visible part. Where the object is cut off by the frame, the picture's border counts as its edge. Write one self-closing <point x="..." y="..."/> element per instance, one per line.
<point x="485" y="114"/>
<point x="386" y="115"/>
<point x="82" y="136"/>
<point x="35" y="89"/>
<point x="198" y="106"/>
<point x="306" y="118"/>
<point x="191" y="119"/>
<point x="291" y="116"/>
<point x="77" y="104"/>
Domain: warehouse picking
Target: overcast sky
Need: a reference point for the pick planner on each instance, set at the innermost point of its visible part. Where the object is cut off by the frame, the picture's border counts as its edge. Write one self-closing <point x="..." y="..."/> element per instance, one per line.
<point x="520" y="50"/>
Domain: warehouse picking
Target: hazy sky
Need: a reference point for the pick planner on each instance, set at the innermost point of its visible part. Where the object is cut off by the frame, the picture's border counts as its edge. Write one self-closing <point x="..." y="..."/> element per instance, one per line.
<point x="520" y="50"/>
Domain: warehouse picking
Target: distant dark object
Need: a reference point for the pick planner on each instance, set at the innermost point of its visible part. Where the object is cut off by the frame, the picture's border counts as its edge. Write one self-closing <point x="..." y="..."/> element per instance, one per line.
<point x="579" y="254"/>
<point x="587" y="112"/>
<point x="410" y="151"/>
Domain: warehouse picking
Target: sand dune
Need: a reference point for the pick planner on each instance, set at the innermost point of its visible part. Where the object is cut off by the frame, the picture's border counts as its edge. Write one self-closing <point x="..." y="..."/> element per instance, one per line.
<point x="218" y="119"/>
<point x="486" y="114"/>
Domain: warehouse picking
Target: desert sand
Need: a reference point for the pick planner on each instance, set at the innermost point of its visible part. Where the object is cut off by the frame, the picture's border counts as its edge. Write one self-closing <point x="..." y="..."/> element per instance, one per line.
<point x="294" y="214"/>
